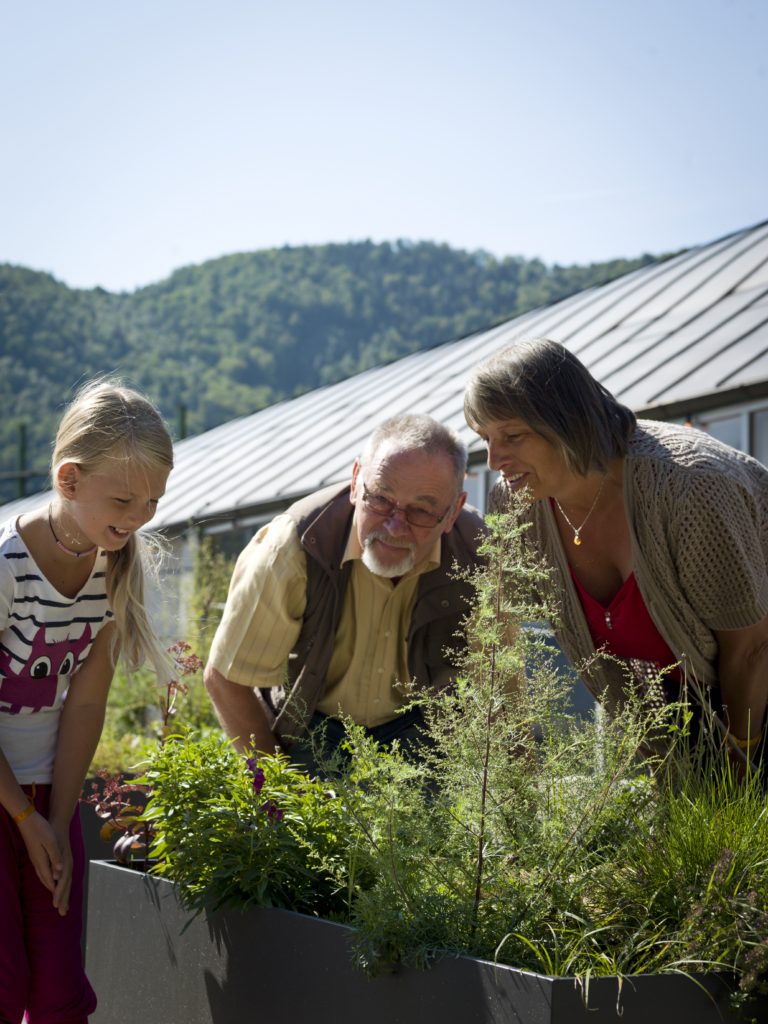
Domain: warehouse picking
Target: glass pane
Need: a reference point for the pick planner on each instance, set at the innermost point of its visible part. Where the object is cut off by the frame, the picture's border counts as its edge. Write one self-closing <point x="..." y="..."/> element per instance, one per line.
<point x="491" y="476"/>
<point x="760" y="436"/>
<point x="474" y="485"/>
<point x="728" y="429"/>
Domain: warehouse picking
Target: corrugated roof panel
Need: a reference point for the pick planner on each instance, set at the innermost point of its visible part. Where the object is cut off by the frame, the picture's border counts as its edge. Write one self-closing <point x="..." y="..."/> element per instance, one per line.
<point x="688" y="328"/>
<point x="630" y="359"/>
<point x="757" y="279"/>
<point x="618" y="365"/>
<point x="612" y="305"/>
<point x="725" y="278"/>
<point x="754" y="369"/>
<point x="580" y="310"/>
<point x="655" y="296"/>
<point x="697" y="369"/>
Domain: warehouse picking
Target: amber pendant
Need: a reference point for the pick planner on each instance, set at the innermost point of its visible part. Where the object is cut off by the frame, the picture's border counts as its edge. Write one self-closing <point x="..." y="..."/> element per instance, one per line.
<point x="577" y="540"/>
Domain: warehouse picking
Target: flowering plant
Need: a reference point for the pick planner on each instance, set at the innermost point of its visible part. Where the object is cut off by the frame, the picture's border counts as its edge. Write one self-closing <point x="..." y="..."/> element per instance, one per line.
<point x="524" y="833"/>
<point x="242" y="831"/>
<point x="119" y="801"/>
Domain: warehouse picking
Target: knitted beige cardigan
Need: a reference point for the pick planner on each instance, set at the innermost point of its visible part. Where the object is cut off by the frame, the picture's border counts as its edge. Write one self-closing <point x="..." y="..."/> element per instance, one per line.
<point x="698" y="521"/>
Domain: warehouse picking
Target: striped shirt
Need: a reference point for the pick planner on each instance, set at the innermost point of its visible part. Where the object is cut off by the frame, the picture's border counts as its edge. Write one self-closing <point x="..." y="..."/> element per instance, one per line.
<point x="44" y="638"/>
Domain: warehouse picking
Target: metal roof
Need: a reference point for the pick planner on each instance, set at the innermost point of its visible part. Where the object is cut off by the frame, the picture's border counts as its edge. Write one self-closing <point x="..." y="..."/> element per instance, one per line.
<point x="670" y="339"/>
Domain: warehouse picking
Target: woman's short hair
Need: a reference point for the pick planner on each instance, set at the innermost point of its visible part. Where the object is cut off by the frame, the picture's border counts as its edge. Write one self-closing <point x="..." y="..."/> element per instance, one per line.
<point x="540" y="382"/>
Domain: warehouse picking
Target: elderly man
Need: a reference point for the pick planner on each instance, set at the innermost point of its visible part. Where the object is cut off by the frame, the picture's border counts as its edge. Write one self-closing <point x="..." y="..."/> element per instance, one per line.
<point x="347" y="595"/>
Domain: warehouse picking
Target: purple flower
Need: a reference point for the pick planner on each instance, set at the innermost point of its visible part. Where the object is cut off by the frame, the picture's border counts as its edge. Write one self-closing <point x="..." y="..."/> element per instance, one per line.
<point x="272" y="811"/>
<point x="258" y="773"/>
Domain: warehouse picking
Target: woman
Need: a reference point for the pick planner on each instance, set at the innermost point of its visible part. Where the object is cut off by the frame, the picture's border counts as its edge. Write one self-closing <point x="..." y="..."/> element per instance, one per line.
<point x="658" y="533"/>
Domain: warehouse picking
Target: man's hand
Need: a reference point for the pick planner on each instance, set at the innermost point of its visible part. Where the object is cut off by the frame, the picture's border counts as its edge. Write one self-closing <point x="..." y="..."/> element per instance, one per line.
<point x="242" y="713"/>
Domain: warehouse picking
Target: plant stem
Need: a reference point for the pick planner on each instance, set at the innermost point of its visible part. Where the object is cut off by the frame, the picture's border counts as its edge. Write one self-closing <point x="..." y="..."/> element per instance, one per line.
<point x="480" y="863"/>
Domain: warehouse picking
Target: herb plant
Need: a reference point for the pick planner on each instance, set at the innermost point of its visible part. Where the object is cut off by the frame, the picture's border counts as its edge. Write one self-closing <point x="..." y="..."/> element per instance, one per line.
<point x="522" y="833"/>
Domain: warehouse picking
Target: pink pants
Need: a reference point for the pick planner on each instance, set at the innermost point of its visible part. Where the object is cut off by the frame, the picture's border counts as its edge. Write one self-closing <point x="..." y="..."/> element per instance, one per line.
<point x="41" y="965"/>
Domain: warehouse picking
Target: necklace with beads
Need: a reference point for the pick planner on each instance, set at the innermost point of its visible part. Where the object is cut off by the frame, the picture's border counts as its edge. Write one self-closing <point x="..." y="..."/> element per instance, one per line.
<point x="577" y="529"/>
<point x="63" y="547"/>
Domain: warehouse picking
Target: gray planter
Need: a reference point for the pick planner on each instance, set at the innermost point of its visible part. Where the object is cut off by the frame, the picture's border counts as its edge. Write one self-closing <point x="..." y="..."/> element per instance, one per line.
<point x="95" y="847"/>
<point x="150" y="960"/>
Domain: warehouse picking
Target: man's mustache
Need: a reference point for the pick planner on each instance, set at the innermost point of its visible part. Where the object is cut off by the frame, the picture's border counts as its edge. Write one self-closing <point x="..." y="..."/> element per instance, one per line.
<point x="394" y="542"/>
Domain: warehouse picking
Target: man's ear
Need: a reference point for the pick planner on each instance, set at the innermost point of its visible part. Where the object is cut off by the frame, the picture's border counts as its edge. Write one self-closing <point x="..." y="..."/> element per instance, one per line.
<point x="68" y="476"/>
<point x="451" y="519"/>
<point x="353" y="485"/>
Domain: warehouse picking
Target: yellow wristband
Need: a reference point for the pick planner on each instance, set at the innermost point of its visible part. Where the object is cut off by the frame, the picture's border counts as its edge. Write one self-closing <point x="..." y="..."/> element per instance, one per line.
<point x="748" y="743"/>
<point x="29" y="809"/>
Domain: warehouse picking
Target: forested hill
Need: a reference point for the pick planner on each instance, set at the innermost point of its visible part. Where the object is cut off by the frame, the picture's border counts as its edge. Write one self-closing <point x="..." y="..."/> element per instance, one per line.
<point x="238" y="333"/>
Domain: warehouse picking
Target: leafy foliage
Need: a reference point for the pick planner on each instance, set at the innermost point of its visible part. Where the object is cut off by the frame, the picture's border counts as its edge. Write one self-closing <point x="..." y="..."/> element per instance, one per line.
<point x="236" y="334"/>
<point x="233" y="832"/>
<point x="136" y="718"/>
<point x="522" y="834"/>
<point x="140" y="711"/>
<point x="119" y="801"/>
<point x="210" y="584"/>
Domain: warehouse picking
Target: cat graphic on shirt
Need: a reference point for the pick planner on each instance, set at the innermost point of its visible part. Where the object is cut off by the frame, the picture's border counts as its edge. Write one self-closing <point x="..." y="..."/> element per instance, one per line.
<point x="34" y="686"/>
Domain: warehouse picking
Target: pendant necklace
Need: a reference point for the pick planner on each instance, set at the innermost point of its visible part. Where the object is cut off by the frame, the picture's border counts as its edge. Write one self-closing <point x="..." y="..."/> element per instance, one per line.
<point x="577" y="529"/>
<point x="64" y="548"/>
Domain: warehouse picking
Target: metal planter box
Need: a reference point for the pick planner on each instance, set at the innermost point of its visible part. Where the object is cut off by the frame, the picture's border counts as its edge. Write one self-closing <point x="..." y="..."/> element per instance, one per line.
<point x="151" y="960"/>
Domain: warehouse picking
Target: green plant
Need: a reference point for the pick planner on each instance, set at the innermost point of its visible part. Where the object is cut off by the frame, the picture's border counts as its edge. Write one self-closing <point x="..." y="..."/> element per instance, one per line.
<point x="119" y="801"/>
<point x="210" y="583"/>
<point x="135" y="718"/>
<point x="522" y="833"/>
<point x="231" y="830"/>
<point x="702" y="874"/>
<point x="491" y="849"/>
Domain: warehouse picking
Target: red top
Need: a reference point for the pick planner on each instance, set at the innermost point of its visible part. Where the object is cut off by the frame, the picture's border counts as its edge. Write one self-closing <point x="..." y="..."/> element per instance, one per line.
<point x="624" y="627"/>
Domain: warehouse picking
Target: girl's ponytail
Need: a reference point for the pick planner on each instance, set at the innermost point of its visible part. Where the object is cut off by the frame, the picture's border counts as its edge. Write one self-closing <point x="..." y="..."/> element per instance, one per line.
<point x="126" y="572"/>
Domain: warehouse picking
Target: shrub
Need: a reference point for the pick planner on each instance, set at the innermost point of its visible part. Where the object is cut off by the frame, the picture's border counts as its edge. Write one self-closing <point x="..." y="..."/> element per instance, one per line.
<point x="523" y="833"/>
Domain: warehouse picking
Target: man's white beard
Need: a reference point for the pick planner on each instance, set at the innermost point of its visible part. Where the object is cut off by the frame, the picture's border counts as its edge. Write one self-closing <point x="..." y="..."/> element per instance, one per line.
<point x="373" y="563"/>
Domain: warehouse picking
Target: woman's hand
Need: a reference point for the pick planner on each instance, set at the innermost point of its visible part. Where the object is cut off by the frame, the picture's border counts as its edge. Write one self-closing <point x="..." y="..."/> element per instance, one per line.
<point x="743" y="675"/>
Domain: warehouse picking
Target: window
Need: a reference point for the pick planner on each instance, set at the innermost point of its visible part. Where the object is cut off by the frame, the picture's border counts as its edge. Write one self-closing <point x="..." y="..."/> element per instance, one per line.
<point x="760" y="435"/>
<point x="474" y="486"/>
<point x="746" y="430"/>
<point x="727" y="429"/>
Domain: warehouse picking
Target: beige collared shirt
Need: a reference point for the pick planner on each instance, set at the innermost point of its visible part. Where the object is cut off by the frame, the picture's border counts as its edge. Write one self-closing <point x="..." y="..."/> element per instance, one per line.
<point x="263" y="618"/>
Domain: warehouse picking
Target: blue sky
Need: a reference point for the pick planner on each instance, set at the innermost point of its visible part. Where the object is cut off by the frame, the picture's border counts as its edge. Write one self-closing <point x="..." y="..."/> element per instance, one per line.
<point x="140" y="137"/>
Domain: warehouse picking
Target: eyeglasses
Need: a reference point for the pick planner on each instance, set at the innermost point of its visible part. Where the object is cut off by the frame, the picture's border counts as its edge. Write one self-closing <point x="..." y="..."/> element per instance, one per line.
<point x="382" y="506"/>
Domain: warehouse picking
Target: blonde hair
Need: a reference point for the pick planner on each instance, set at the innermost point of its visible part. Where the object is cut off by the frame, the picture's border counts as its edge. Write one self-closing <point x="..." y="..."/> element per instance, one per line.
<point x="109" y="421"/>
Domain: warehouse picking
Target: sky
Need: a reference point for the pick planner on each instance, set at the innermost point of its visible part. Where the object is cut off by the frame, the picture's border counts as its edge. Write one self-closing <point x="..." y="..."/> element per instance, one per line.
<point x="137" y="138"/>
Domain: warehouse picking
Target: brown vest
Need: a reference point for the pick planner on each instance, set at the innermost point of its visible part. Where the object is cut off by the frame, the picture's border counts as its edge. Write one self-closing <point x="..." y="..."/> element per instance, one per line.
<point x="323" y="521"/>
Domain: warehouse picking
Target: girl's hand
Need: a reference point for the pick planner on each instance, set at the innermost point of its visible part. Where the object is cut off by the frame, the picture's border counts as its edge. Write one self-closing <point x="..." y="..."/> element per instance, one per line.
<point x="63" y="875"/>
<point x="46" y="855"/>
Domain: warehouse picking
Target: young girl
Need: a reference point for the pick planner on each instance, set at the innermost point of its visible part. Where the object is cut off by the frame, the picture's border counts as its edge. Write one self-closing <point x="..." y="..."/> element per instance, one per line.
<point x="71" y="598"/>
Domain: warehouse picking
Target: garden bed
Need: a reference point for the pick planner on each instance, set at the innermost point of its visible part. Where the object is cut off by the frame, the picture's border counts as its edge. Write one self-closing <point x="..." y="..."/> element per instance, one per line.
<point x="150" y="959"/>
